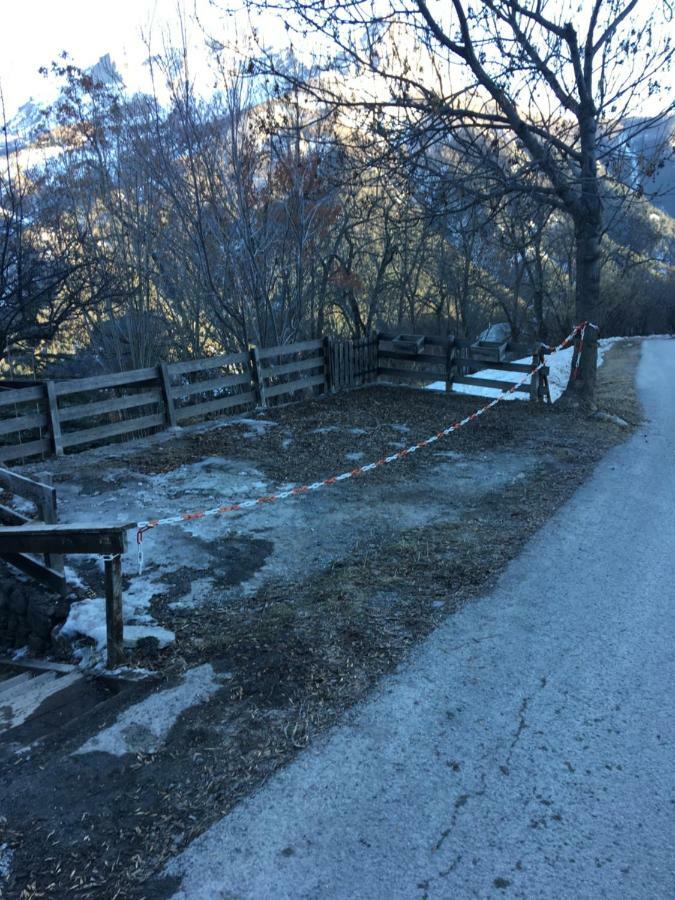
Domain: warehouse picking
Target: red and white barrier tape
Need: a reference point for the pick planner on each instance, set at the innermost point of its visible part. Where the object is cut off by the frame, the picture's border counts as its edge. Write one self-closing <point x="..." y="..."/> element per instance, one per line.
<point x="256" y="502"/>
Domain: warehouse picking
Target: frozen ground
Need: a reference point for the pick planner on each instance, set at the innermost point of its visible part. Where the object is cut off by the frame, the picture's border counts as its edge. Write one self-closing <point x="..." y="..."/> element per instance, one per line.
<point x="526" y="748"/>
<point x="224" y="559"/>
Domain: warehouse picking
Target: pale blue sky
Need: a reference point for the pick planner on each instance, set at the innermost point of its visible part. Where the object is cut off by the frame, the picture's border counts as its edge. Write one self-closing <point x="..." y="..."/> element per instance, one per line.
<point x="34" y="32"/>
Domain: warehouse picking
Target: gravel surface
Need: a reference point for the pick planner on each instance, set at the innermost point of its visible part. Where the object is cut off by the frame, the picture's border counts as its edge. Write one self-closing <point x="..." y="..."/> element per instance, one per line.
<point x="526" y="746"/>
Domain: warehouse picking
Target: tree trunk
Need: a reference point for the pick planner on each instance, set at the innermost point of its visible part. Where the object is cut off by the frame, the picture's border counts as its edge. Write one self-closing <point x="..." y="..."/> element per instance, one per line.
<point x="588" y="234"/>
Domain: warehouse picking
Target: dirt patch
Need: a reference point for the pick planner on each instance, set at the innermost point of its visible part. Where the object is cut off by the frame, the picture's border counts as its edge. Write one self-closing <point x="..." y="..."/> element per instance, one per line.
<point x="301" y="650"/>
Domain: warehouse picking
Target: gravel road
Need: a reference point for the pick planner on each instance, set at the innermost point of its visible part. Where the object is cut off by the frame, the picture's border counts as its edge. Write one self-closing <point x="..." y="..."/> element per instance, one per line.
<point x="525" y="750"/>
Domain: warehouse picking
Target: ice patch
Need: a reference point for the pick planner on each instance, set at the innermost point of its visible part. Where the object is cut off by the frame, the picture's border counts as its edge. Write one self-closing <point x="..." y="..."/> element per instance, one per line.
<point x="135" y="633"/>
<point x="354" y="457"/>
<point x="6" y="855"/>
<point x="325" y="429"/>
<point x="199" y="589"/>
<point x="402" y="429"/>
<point x="143" y="728"/>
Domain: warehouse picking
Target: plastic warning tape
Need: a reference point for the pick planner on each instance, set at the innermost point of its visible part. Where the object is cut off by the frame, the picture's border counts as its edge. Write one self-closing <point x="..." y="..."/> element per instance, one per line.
<point x="299" y="491"/>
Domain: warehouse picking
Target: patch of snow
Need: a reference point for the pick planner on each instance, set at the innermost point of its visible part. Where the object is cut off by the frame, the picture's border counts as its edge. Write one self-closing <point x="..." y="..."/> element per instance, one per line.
<point x="325" y="429"/>
<point x="402" y="429"/>
<point x="354" y="457"/>
<point x="87" y="617"/>
<point x="21" y="505"/>
<point x="357" y="430"/>
<point x="143" y="728"/>
<point x="73" y="578"/>
<point x="135" y="633"/>
<point x="6" y="856"/>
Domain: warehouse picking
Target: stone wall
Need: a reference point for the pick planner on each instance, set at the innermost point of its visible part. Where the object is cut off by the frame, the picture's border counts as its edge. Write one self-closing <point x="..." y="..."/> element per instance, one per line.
<point x="29" y="613"/>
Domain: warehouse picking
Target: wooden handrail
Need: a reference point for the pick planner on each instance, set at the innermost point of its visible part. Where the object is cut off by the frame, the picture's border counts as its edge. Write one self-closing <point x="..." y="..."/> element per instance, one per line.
<point x="109" y="541"/>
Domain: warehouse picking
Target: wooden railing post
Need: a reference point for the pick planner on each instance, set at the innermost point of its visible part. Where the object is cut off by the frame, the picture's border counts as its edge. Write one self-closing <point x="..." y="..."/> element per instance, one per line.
<point x="54" y="421"/>
<point x="450" y="366"/>
<point x="47" y="512"/>
<point x="114" y="618"/>
<point x="257" y="377"/>
<point x="534" y="380"/>
<point x="169" y="405"/>
<point x="328" y="364"/>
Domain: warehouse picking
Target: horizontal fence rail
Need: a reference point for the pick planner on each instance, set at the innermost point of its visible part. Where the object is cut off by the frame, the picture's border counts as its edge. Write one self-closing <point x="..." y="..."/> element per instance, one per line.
<point x="40" y="419"/>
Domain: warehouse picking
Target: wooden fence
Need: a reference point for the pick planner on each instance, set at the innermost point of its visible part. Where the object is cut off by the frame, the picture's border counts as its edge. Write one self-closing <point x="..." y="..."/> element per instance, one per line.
<point x="453" y="361"/>
<point x="54" y="417"/>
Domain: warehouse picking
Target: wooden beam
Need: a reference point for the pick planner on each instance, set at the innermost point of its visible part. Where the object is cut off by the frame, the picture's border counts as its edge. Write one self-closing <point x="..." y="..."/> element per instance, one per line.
<point x="257" y="378"/>
<point x="55" y="581"/>
<point x="54" y="421"/>
<point x="167" y="391"/>
<point x="24" y="487"/>
<point x="113" y="610"/>
<point x="64" y="539"/>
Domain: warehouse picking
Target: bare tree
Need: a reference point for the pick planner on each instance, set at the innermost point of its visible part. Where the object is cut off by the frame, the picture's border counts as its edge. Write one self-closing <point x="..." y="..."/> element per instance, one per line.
<point x="537" y="93"/>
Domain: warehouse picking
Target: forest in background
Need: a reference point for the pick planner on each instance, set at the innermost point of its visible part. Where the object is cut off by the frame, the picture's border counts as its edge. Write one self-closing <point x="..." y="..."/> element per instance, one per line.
<point x="134" y="230"/>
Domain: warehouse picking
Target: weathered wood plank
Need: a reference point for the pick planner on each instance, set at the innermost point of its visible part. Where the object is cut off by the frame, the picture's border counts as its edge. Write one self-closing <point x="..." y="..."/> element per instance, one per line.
<point x="92" y="435"/>
<point x="476" y="365"/>
<point x="47" y="512"/>
<point x="432" y="340"/>
<point x="113" y="611"/>
<point x="23" y="423"/>
<point x="413" y="357"/>
<point x="290" y="387"/>
<point x="167" y="394"/>
<point x="21" y="395"/>
<point x="14" y="452"/>
<point x="99" y="382"/>
<point x="65" y="539"/>
<point x="54" y="421"/>
<point x="195" y="410"/>
<point x="29" y="488"/>
<point x="257" y="380"/>
<point x="287" y="349"/>
<point x="300" y="365"/>
<point x="203" y="365"/>
<point x="491" y="383"/>
<point x="213" y="384"/>
<point x="101" y="407"/>
<point x="414" y="374"/>
<point x="55" y="581"/>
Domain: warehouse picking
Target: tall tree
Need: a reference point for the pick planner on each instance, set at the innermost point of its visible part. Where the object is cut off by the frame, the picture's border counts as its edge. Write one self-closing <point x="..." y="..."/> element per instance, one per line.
<point x="540" y="94"/>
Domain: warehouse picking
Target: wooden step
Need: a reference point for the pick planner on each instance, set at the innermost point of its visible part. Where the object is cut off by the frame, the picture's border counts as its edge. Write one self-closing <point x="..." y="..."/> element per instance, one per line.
<point x="9" y="683"/>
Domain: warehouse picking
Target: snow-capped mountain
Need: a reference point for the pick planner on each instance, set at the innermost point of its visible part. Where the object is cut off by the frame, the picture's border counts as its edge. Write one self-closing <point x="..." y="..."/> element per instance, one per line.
<point x="33" y="117"/>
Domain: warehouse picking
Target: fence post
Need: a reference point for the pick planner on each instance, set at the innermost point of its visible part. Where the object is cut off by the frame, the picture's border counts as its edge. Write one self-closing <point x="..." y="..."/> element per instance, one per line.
<point x="46" y="507"/>
<point x="114" y="619"/>
<point x="449" y="363"/>
<point x="328" y="363"/>
<point x="54" y="421"/>
<point x="257" y="376"/>
<point x="169" y="405"/>
<point x="534" y="380"/>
